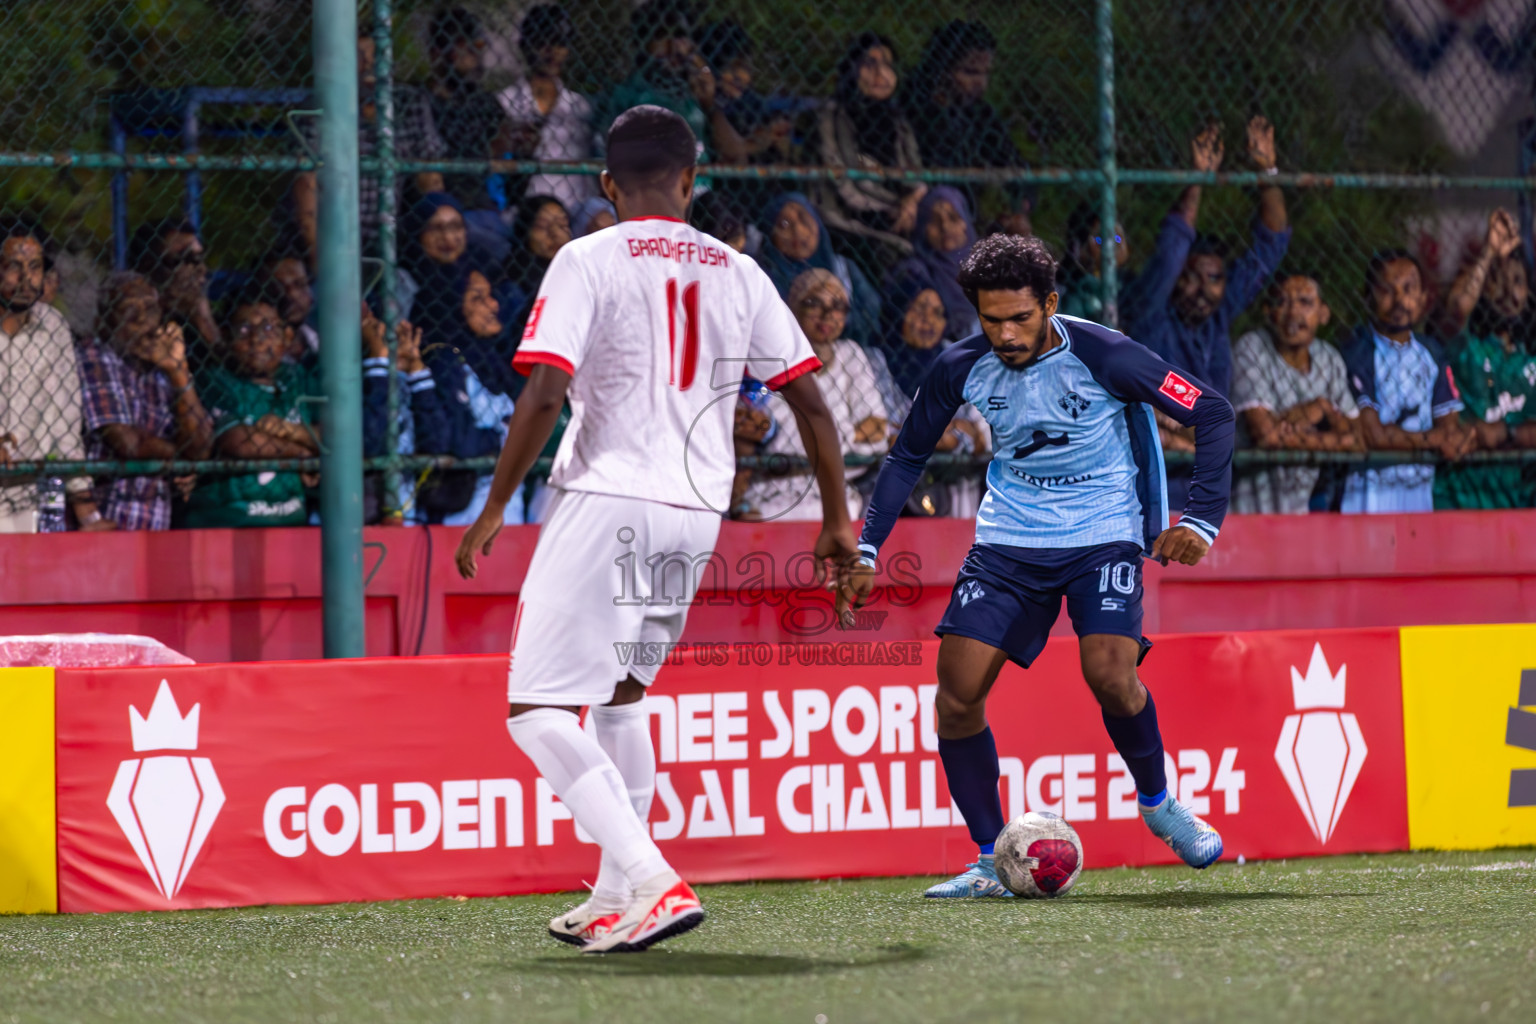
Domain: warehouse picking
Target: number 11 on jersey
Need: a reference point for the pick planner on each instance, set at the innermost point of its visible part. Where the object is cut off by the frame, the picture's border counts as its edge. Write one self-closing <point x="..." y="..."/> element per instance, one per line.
<point x="680" y="373"/>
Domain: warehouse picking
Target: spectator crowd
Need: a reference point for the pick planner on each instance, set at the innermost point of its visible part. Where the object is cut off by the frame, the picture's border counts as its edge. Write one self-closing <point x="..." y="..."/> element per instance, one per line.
<point x="185" y="363"/>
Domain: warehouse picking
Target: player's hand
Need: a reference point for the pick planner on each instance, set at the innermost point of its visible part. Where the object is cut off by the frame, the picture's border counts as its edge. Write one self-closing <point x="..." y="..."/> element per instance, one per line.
<point x="853" y="585"/>
<point x="1179" y="544"/>
<point x="838" y="546"/>
<point x="478" y="539"/>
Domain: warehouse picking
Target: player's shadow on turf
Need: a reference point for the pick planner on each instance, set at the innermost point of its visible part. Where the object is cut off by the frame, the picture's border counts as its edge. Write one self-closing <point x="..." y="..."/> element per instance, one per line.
<point x="1174" y="900"/>
<point x="722" y="965"/>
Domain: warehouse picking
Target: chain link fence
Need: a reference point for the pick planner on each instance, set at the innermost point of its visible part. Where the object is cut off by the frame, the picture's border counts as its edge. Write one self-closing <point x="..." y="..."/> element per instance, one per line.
<point x="158" y="190"/>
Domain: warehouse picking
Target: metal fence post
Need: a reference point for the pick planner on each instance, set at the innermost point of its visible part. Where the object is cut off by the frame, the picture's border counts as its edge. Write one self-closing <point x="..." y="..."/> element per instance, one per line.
<point x="1108" y="218"/>
<point x="340" y="292"/>
<point x="384" y="65"/>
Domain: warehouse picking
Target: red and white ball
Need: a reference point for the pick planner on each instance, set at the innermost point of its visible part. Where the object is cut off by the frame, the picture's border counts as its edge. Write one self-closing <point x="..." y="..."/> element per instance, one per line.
<point x="1038" y="855"/>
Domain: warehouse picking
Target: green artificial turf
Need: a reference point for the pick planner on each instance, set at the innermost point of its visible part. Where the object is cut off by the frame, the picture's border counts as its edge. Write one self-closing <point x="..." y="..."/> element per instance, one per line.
<point x="1428" y="936"/>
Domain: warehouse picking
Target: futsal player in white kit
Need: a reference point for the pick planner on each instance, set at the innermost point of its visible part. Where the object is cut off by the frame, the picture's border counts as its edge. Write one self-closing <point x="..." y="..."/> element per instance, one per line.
<point x="647" y="328"/>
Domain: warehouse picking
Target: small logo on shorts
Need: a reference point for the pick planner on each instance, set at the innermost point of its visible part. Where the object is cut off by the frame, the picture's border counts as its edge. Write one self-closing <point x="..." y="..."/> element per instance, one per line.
<point x="1112" y="604"/>
<point x="970" y="591"/>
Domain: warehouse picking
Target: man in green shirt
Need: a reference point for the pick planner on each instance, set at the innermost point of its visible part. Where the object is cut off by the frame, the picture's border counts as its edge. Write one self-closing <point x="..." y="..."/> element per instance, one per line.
<point x="1495" y="369"/>
<point x="256" y="401"/>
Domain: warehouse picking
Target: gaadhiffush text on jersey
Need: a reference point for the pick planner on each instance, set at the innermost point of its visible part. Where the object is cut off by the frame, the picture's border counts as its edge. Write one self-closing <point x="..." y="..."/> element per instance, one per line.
<point x="656" y="322"/>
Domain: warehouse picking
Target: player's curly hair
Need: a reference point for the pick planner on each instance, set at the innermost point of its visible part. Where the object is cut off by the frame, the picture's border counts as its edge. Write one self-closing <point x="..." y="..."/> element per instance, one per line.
<point x="1008" y="263"/>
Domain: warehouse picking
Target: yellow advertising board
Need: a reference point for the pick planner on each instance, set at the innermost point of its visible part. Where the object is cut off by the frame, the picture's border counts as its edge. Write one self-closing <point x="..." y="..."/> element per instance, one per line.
<point x="1469" y="720"/>
<point x="29" y="875"/>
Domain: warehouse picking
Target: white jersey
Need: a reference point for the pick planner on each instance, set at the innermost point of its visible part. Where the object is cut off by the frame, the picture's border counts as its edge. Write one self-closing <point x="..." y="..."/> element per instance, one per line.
<point x="656" y="322"/>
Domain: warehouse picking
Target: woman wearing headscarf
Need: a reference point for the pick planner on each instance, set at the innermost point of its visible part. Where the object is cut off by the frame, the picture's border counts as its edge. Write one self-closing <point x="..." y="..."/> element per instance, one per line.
<point x="434" y="246"/>
<point x="540" y="229"/>
<point x="917" y="333"/>
<point x="941" y="238"/>
<point x="796" y="241"/>
<point x="452" y="334"/>
<point x="847" y="381"/>
<point x="864" y="128"/>
<point x="437" y="261"/>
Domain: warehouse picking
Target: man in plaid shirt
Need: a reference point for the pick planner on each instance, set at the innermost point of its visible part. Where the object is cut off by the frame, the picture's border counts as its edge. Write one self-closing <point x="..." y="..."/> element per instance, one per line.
<point x="138" y="400"/>
<point x="416" y="138"/>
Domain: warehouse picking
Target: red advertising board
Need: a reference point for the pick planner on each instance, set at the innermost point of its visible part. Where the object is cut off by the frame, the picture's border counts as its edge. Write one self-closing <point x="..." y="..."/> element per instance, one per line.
<point x="310" y="782"/>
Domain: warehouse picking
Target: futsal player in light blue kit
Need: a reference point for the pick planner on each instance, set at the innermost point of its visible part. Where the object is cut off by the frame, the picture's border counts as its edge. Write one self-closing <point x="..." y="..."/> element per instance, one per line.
<point x="1076" y="498"/>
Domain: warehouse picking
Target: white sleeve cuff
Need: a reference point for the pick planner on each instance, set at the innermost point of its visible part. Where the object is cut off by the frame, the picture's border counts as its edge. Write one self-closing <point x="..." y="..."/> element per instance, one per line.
<point x="1204" y="530"/>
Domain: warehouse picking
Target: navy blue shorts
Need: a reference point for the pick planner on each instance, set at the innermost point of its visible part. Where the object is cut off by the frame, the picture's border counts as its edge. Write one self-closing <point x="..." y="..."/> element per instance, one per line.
<point x="1010" y="597"/>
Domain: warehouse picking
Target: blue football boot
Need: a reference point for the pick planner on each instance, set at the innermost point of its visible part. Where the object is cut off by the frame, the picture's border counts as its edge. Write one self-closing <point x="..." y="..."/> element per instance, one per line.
<point x="1196" y="843"/>
<point x="979" y="880"/>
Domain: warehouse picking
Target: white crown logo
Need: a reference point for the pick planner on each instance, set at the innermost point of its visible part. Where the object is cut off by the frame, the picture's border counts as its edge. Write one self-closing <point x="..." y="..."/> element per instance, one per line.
<point x="165" y="803"/>
<point x="1319" y="688"/>
<point x="1321" y="748"/>
<point x="165" y="728"/>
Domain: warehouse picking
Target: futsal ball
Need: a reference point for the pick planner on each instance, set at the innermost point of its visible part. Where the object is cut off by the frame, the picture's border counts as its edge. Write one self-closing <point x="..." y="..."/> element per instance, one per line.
<point x="1038" y="855"/>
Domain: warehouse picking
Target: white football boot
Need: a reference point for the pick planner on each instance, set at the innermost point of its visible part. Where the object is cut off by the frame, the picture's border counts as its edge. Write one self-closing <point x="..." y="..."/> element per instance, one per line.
<point x="663" y="907"/>
<point x="582" y="924"/>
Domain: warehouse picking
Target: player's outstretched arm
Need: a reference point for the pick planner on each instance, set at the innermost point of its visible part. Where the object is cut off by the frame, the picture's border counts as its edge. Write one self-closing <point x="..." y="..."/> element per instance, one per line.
<point x="818" y="432"/>
<point x="533" y="420"/>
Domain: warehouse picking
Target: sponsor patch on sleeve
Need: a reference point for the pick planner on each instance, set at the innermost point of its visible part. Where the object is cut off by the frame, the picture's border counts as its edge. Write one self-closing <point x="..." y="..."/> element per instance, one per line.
<point x="1176" y="388"/>
<point x="533" y="320"/>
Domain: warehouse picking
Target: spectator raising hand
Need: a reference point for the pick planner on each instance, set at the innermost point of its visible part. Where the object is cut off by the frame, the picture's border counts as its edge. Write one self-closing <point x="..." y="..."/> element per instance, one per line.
<point x="1183" y="303"/>
<point x="1489" y="307"/>
<point x="1207" y="149"/>
<point x="407" y="342"/>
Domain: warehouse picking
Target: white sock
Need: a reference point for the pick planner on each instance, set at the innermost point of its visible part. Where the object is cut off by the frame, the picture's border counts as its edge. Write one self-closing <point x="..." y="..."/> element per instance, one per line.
<point x="624" y="733"/>
<point x="586" y="781"/>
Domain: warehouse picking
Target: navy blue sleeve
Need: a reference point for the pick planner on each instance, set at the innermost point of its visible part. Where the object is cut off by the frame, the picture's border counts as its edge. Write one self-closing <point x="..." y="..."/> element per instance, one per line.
<point x="1134" y="373"/>
<point x="428" y="418"/>
<point x="1253" y="268"/>
<point x="1360" y="365"/>
<point x="1147" y="297"/>
<point x="375" y="406"/>
<point x="938" y="398"/>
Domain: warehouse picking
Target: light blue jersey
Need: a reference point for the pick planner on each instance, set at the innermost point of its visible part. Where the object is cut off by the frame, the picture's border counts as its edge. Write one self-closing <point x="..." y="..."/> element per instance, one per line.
<point x="1076" y="459"/>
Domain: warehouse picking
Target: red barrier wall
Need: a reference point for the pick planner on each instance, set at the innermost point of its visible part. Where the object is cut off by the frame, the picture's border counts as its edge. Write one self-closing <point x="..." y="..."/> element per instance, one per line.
<point x="225" y="785"/>
<point x="221" y="595"/>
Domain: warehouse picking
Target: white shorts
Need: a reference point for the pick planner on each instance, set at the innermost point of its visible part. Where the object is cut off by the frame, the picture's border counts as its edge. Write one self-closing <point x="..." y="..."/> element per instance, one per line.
<point x="607" y="594"/>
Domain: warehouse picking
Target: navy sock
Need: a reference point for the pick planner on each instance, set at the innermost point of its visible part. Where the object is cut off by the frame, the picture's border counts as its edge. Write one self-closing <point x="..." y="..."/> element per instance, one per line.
<point x="971" y="767"/>
<point x="1141" y="746"/>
